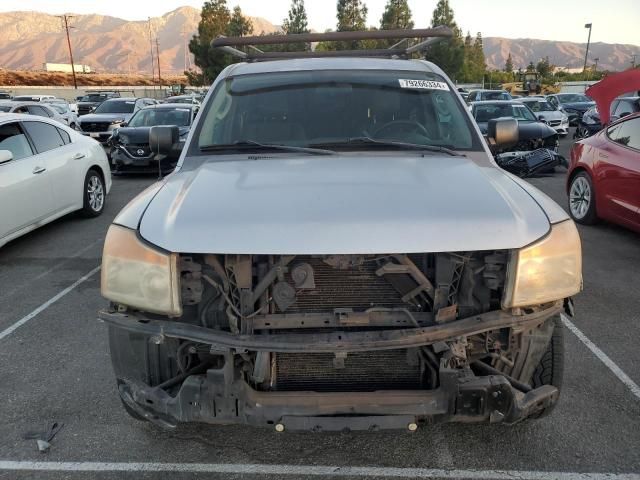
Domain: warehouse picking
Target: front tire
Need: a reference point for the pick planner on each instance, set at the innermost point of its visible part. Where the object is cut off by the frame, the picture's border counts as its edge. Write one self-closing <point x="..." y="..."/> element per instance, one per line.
<point x="550" y="370"/>
<point x="582" y="199"/>
<point x="94" y="194"/>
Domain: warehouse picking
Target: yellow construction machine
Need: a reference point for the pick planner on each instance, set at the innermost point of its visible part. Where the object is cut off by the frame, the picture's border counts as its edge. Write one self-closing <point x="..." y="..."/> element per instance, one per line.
<point x="530" y="84"/>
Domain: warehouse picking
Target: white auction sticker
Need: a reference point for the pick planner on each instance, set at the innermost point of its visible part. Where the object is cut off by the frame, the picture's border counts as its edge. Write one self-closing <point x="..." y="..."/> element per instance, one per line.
<point x="425" y="84"/>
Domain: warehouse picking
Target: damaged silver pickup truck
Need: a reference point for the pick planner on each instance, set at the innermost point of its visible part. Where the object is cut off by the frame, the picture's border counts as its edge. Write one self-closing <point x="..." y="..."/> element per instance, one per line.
<point x="338" y="250"/>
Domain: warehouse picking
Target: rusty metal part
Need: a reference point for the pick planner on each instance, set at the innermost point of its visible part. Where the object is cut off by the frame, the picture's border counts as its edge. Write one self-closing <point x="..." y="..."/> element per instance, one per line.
<point x="333" y="341"/>
<point x="340" y="318"/>
<point x="191" y="286"/>
<point x="219" y="398"/>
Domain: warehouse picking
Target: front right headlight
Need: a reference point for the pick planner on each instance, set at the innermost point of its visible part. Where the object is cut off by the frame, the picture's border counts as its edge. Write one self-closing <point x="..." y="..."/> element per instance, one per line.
<point x="548" y="270"/>
<point x="138" y="275"/>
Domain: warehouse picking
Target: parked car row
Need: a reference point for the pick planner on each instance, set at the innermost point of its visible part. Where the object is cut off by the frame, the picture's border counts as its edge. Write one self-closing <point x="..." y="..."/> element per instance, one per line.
<point x="620" y="107"/>
<point x="51" y="163"/>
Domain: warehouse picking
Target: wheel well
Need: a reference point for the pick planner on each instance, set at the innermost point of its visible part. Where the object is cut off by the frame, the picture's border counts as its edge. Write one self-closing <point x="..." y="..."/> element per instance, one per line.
<point x="97" y="169"/>
<point x="575" y="172"/>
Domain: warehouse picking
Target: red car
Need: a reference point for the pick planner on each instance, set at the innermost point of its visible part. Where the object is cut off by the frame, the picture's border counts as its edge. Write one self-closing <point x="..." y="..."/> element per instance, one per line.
<point x="604" y="175"/>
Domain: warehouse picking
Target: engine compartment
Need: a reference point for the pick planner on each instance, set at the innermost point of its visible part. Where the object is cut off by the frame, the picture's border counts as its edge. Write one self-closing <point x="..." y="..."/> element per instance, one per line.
<point x="270" y="295"/>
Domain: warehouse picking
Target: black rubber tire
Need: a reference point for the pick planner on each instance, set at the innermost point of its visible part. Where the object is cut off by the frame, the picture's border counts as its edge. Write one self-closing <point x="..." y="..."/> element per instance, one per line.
<point x="550" y="370"/>
<point x="87" y="210"/>
<point x="591" y="217"/>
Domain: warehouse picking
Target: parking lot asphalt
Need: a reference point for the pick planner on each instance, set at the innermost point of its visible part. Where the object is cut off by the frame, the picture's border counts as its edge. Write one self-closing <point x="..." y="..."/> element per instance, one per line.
<point x="55" y="367"/>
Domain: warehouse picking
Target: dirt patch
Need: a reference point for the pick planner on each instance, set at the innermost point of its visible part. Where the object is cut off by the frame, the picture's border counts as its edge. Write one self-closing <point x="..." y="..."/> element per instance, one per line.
<point x="55" y="79"/>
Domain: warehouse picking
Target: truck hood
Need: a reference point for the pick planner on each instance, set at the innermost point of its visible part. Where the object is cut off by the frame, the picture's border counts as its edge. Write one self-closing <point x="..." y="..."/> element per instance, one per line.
<point x="105" y="117"/>
<point x="343" y="204"/>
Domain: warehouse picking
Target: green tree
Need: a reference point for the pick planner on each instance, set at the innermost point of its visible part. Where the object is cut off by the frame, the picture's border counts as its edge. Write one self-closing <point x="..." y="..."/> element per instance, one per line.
<point x="531" y="67"/>
<point x="479" y="65"/>
<point x="447" y="54"/>
<point x="214" y="19"/>
<point x="396" y="15"/>
<point x="295" y="23"/>
<point x="508" y="66"/>
<point x="351" y="16"/>
<point x="544" y="67"/>
<point x="239" y="25"/>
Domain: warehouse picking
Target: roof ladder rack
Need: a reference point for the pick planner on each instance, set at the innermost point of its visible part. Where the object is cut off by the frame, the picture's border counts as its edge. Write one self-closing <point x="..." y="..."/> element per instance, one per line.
<point x="427" y="36"/>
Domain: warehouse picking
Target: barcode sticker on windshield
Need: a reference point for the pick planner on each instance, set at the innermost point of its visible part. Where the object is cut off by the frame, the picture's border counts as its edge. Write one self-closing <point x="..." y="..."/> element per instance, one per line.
<point x="425" y="84"/>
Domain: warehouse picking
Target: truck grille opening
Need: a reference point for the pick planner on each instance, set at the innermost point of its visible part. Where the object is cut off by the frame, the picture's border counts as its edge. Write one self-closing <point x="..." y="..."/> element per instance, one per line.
<point x="360" y="372"/>
<point x="358" y="288"/>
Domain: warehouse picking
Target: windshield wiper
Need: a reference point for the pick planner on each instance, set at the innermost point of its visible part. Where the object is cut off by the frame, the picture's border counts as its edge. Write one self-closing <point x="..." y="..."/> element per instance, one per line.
<point x="253" y="145"/>
<point x="391" y="143"/>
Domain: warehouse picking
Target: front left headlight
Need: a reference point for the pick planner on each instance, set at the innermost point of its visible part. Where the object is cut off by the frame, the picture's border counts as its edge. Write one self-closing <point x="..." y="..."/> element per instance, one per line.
<point x="138" y="275"/>
<point x="548" y="270"/>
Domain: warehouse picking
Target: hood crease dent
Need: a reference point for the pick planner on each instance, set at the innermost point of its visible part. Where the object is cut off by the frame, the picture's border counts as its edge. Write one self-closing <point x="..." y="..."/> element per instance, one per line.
<point x="344" y="204"/>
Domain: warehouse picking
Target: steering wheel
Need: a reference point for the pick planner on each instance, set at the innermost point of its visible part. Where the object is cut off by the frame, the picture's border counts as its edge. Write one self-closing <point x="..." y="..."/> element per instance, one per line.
<point x="418" y="127"/>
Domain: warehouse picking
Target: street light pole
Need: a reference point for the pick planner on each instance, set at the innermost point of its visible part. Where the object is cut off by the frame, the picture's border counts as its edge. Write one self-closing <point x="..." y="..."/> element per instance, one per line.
<point x="73" y="69"/>
<point x="586" y="53"/>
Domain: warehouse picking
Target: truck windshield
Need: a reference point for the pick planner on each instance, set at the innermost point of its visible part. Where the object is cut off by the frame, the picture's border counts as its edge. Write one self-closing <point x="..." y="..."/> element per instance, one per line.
<point x="330" y="108"/>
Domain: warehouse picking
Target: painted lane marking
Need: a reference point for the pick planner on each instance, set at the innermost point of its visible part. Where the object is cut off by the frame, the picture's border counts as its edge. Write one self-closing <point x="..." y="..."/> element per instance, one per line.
<point x="309" y="470"/>
<point x="47" y="304"/>
<point x="610" y="364"/>
<point x="7" y="294"/>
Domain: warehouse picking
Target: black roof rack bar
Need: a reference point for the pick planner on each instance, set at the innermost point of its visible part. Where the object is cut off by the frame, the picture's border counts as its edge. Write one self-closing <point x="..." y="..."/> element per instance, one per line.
<point x="440" y="31"/>
<point x="233" y="51"/>
<point x="326" y="54"/>
<point x="422" y="45"/>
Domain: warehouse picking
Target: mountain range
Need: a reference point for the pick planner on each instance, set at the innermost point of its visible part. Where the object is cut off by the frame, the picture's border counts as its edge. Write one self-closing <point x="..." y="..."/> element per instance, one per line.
<point x="111" y="44"/>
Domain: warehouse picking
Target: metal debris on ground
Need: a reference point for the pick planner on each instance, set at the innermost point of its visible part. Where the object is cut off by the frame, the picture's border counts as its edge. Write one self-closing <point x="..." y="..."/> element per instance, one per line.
<point x="43" y="437"/>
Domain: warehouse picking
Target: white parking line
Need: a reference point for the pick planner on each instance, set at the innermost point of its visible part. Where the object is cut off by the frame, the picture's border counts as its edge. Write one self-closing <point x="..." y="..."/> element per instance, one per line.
<point x="309" y="470"/>
<point x="46" y="304"/>
<point x="611" y="365"/>
<point x="7" y="294"/>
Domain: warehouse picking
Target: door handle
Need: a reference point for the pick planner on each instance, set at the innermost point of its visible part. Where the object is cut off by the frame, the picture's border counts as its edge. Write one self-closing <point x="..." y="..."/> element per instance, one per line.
<point x="603" y="155"/>
<point x="38" y="170"/>
<point x="78" y="156"/>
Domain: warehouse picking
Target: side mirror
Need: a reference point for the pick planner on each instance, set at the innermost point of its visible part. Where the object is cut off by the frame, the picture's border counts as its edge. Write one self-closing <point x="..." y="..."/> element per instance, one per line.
<point x="123" y="124"/>
<point x="502" y="132"/>
<point x="161" y="139"/>
<point x="624" y="114"/>
<point x="5" y="156"/>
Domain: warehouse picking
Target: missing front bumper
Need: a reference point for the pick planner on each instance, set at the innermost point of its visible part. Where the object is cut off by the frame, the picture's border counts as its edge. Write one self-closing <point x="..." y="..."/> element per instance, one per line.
<point x="207" y="399"/>
<point x="220" y="395"/>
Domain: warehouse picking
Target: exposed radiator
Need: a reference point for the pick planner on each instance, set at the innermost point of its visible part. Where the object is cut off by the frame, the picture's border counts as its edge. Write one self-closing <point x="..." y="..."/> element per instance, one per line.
<point x="362" y="371"/>
<point x="358" y="288"/>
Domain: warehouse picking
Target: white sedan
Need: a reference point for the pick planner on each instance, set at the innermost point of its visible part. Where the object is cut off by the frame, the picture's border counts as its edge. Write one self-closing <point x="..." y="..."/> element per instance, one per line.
<point x="46" y="171"/>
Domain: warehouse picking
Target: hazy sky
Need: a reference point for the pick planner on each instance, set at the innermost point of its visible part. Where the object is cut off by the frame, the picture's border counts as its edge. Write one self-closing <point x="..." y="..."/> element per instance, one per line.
<point x="614" y="21"/>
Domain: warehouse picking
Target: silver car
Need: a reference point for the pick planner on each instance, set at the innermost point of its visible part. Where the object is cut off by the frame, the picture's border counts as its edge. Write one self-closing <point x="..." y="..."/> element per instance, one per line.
<point x="337" y="249"/>
<point x="64" y="109"/>
<point x="546" y="112"/>
<point x="109" y="115"/>
<point x="31" y="108"/>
